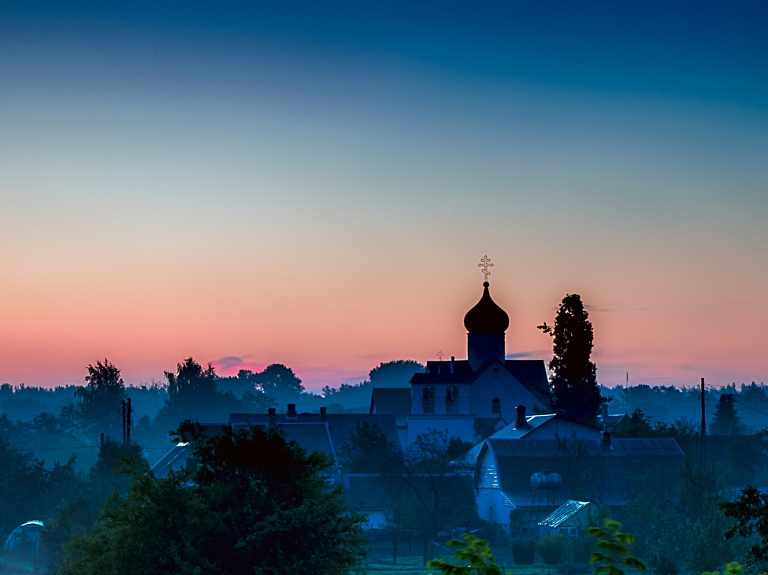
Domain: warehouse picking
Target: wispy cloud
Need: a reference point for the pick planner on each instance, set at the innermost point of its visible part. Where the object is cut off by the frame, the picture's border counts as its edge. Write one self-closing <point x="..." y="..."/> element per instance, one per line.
<point x="536" y="354"/>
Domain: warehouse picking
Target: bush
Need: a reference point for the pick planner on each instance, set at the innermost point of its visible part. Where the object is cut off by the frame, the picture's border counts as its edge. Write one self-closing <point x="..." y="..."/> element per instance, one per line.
<point x="523" y="551"/>
<point x="581" y="549"/>
<point x="552" y="549"/>
<point x="663" y="564"/>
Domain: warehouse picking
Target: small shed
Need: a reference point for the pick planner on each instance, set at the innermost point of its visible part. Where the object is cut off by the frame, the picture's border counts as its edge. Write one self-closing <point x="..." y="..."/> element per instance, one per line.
<point x="571" y="518"/>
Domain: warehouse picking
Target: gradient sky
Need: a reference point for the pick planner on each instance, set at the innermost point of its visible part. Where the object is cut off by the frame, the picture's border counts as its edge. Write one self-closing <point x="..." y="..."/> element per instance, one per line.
<point x="313" y="183"/>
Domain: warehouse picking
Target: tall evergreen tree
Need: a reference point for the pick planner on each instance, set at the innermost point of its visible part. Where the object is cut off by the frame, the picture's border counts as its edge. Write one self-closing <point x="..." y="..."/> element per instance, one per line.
<point x="727" y="420"/>
<point x="575" y="393"/>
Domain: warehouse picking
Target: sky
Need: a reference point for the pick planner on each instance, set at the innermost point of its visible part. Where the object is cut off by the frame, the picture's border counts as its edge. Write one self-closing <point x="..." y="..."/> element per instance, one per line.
<point x="314" y="184"/>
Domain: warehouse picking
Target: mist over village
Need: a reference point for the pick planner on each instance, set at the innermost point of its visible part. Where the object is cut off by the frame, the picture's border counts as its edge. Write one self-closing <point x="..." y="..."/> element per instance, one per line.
<point x="397" y="288"/>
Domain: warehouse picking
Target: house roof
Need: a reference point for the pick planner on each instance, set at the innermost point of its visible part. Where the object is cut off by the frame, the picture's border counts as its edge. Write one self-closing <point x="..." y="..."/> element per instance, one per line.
<point x="614" y="468"/>
<point x="312" y="436"/>
<point x="529" y="372"/>
<point x="340" y="425"/>
<point x="392" y="400"/>
<point x="508" y="432"/>
<point x="174" y="460"/>
<point x="563" y="513"/>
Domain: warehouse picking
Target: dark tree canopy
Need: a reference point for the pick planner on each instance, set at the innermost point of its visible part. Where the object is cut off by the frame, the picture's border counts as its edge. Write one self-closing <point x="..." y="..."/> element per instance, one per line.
<point x="727" y="420"/>
<point x="394" y="373"/>
<point x="575" y="393"/>
<point x="750" y="512"/>
<point x="279" y="381"/>
<point x="253" y="504"/>
<point x="191" y="381"/>
<point x="369" y="450"/>
<point x="192" y="394"/>
<point x="99" y="406"/>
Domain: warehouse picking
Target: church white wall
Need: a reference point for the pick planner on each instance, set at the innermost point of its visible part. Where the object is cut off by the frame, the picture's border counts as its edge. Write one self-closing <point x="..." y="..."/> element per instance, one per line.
<point x="498" y="382"/>
<point x="462" y="406"/>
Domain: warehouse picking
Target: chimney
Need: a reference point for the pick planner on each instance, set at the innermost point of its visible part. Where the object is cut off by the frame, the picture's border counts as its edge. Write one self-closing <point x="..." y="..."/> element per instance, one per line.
<point x="272" y="418"/>
<point x="453" y="364"/>
<point x="520" y="417"/>
<point x="291" y="414"/>
<point x="604" y="412"/>
<point x="605" y="440"/>
<point x="323" y="414"/>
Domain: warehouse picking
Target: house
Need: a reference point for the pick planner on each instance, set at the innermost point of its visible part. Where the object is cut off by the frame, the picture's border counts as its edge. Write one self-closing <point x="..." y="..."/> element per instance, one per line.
<point x="539" y="475"/>
<point x="321" y="432"/>
<point x="534" y="427"/>
<point x="340" y="426"/>
<point x="571" y="518"/>
<point x="395" y="401"/>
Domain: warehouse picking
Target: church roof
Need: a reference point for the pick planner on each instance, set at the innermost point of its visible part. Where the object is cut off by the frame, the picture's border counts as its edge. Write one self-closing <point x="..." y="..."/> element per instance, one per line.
<point x="486" y="317"/>
<point x="530" y="372"/>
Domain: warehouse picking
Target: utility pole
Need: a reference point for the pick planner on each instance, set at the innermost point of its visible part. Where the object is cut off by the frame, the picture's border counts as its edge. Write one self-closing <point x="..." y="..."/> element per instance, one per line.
<point x="626" y="395"/>
<point x="703" y="449"/>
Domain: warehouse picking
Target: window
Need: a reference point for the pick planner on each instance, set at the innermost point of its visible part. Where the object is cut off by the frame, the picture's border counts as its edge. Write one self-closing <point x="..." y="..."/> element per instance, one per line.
<point x="496" y="406"/>
<point x="428" y="398"/>
<point x="452" y="399"/>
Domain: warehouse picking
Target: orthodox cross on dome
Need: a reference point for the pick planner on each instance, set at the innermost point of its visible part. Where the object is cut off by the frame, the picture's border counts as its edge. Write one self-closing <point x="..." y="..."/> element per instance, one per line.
<point x="485" y="263"/>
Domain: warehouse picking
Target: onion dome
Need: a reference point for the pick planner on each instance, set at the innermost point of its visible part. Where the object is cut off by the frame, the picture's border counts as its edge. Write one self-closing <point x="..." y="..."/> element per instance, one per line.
<point x="486" y="317"/>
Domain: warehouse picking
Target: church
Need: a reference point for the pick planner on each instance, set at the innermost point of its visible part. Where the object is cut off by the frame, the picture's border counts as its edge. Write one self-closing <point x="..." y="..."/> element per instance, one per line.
<point x="474" y="397"/>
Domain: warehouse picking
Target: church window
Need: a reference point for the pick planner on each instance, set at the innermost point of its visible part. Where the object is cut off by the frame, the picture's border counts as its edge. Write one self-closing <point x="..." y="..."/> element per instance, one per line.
<point x="496" y="406"/>
<point x="428" y="398"/>
<point x="452" y="399"/>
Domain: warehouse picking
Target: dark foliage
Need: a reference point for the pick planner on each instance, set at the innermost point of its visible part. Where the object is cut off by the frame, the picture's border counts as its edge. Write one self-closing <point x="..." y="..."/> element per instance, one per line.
<point x="394" y="373"/>
<point x="524" y="551"/>
<point x="750" y="512"/>
<point x="280" y="382"/>
<point x="100" y="400"/>
<point x="575" y="393"/>
<point x="368" y="450"/>
<point x="254" y="503"/>
<point x="727" y="420"/>
<point x="192" y="393"/>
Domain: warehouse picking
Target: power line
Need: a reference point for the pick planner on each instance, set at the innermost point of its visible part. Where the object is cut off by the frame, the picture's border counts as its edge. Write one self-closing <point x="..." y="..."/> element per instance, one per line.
<point x="737" y="400"/>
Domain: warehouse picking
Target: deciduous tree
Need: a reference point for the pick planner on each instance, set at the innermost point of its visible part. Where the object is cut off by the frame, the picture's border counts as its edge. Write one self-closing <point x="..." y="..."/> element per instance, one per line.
<point x="99" y="401"/>
<point x="253" y="504"/>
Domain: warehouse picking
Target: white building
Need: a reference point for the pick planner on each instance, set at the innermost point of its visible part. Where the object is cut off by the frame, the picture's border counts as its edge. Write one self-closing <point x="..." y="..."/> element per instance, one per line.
<point x="472" y="398"/>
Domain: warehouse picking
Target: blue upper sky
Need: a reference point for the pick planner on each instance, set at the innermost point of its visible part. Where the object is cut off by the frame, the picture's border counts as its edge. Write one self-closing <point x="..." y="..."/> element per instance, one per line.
<point x="330" y="173"/>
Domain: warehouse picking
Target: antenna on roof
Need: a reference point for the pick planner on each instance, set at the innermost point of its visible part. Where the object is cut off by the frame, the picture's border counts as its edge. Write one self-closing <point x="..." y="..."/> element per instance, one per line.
<point x="440" y="354"/>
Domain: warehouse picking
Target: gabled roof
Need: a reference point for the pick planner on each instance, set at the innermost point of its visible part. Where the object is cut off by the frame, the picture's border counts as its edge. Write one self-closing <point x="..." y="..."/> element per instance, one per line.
<point x="531" y="423"/>
<point x="312" y="436"/>
<point x="508" y="432"/>
<point x="563" y="513"/>
<point x="340" y="425"/>
<point x="614" y="469"/>
<point x="174" y="460"/>
<point x="391" y="400"/>
<point x="529" y="372"/>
